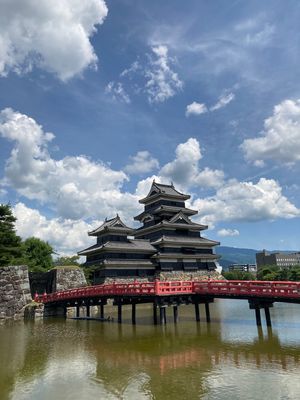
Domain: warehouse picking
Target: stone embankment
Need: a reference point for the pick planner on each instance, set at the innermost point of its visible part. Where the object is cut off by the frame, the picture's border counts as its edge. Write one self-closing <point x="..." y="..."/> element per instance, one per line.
<point x="14" y="291"/>
<point x="15" y="294"/>
<point x="170" y="276"/>
<point x="69" y="277"/>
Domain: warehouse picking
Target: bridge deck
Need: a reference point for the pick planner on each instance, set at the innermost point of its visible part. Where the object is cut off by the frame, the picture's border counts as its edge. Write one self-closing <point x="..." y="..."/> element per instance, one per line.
<point x="273" y="290"/>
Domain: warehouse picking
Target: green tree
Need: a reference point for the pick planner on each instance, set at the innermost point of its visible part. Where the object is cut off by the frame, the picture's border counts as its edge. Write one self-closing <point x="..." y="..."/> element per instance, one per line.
<point x="37" y="254"/>
<point x="10" y="243"/>
<point x="89" y="273"/>
<point x="238" y="276"/>
<point x="294" y="274"/>
<point x="65" y="261"/>
<point x="268" y="273"/>
<point x="283" y="275"/>
<point x="272" y="276"/>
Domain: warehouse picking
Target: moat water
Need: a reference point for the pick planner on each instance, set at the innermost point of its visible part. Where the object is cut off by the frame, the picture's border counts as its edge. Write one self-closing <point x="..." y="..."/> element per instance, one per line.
<point x="84" y="360"/>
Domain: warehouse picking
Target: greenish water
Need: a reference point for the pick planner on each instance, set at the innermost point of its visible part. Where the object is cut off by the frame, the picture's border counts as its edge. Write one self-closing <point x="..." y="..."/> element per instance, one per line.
<point x="226" y="359"/>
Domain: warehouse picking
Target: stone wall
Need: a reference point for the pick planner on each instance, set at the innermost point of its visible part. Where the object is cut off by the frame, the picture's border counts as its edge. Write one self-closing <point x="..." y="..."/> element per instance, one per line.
<point x="14" y="291"/>
<point x="57" y="279"/>
<point x="69" y="278"/>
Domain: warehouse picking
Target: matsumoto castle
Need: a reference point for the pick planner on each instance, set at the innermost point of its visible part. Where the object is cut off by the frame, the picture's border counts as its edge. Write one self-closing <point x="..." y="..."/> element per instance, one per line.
<point x="167" y="243"/>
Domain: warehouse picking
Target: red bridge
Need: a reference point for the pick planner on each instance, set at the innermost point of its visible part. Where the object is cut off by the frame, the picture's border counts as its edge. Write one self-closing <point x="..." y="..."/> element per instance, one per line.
<point x="260" y="294"/>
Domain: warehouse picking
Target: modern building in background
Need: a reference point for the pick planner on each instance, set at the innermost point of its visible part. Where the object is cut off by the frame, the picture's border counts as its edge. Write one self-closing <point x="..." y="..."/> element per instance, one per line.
<point x="167" y="242"/>
<point x="282" y="260"/>
<point x="243" y="268"/>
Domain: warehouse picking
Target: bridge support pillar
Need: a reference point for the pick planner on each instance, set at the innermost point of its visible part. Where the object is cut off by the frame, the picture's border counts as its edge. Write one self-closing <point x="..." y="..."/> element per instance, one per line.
<point x="55" y="311"/>
<point x="77" y="311"/>
<point x="133" y="314"/>
<point x="162" y="315"/>
<point x="154" y="314"/>
<point x="268" y="316"/>
<point x="197" y="312"/>
<point x="257" y="305"/>
<point x="119" y="313"/>
<point x="102" y="311"/>
<point x="257" y="316"/>
<point x="88" y="311"/>
<point x="175" y="314"/>
<point x="207" y="311"/>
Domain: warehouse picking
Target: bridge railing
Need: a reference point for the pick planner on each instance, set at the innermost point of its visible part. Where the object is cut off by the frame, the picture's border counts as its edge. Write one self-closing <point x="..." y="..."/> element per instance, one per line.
<point x="249" y="288"/>
<point x="160" y="288"/>
<point x="173" y="287"/>
<point x="134" y="288"/>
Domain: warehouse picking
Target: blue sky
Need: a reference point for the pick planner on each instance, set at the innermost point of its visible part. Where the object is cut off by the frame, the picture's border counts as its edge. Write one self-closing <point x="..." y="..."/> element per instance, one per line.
<point x="97" y="99"/>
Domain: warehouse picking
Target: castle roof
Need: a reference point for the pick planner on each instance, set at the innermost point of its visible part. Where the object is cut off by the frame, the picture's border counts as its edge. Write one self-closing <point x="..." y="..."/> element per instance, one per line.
<point x="159" y="190"/>
<point x="115" y="225"/>
<point x="185" y="241"/>
<point x="164" y="224"/>
<point x="132" y="246"/>
<point x="163" y="209"/>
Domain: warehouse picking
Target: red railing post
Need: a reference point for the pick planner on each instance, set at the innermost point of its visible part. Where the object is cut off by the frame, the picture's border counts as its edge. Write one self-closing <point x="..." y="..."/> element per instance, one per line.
<point x="156" y="287"/>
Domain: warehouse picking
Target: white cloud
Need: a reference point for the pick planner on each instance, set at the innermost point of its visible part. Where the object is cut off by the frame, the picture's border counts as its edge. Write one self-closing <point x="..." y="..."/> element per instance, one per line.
<point x="228" y="232"/>
<point x="65" y="235"/>
<point x="246" y="201"/>
<point x="52" y="35"/>
<point x="162" y="82"/>
<point x="118" y="92"/>
<point x="195" y="109"/>
<point x="262" y="37"/>
<point x="142" y="163"/>
<point x="223" y="101"/>
<point x="78" y="189"/>
<point x="184" y="169"/>
<point x="74" y="186"/>
<point x="280" y="140"/>
<point x="151" y="74"/>
<point x="134" y="67"/>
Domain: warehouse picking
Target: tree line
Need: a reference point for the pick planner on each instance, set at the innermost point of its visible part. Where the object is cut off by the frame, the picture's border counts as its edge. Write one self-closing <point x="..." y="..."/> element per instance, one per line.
<point x="33" y="252"/>
<point x="266" y="273"/>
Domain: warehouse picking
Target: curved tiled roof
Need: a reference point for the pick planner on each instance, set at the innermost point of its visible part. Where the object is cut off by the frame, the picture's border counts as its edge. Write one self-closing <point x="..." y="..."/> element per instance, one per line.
<point x="159" y="189"/>
<point x="113" y="224"/>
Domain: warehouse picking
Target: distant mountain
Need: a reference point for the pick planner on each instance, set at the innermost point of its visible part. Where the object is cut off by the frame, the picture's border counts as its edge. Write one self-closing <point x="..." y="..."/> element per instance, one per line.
<point x="235" y="255"/>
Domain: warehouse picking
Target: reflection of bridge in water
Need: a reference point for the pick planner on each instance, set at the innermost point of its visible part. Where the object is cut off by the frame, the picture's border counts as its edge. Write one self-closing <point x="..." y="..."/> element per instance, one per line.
<point x="264" y="350"/>
<point x="176" y="358"/>
<point x="260" y="295"/>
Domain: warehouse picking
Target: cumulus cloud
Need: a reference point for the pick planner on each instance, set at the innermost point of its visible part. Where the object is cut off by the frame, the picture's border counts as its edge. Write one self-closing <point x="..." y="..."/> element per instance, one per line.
<point x="80" y="190"/>
<point x="280" y="139"/>
<point x="142" y="163"/>
<point x="195" y="109"/>
<point x="162" y="82"/>
<point x="117" y="91"/>
<point x="184" y="169"/>
<point x="65" y="235"/>
<point x="53" y="36"/>
<point x="223" y="101"/>
<point x="228" y="232"/>
<point x="246" y="201"/>
<point x="74" y="186"/>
